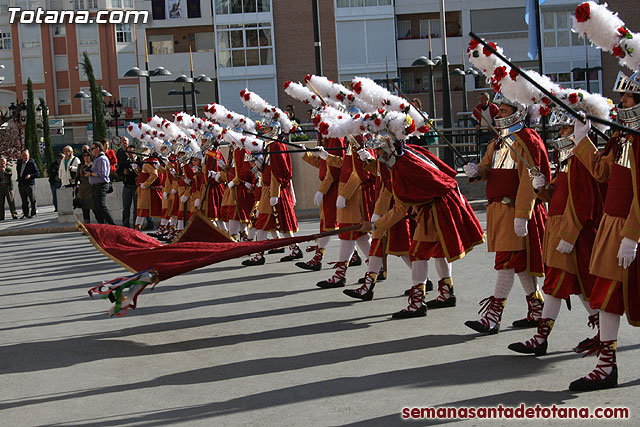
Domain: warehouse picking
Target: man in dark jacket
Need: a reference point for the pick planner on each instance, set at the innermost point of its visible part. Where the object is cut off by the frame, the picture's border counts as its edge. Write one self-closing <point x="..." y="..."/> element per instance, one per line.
<point x="54" y="180"/>
<point x="6" y="189"/>
<point x="27" y="174"/>
<point x="127" y="172"/>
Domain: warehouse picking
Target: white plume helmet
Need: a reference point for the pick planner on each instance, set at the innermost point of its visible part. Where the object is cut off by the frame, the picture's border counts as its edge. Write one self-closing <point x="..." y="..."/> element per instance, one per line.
<point x="256" y="104"/>
<point x="219" y="113"/>
<point x="608" y="32"/>
<point x="302" y="94"/>
<point x="515" y="88"/>
<point x="334" y="123"/>
<point x="336" y="94"/>
<point x="373" y="93"/>
<point x="393" y="123"/>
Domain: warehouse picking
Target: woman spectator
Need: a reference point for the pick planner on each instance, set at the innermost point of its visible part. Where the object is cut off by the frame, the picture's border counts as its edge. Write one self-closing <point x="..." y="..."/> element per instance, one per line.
<point x="111" y="155"/>
<point x="68" y="167"/>
<point x="84" y="191"/>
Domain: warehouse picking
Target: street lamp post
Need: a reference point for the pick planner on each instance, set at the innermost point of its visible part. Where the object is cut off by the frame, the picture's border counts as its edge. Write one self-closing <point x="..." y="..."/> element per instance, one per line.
<point x="446" y="86"/>
<point x="184" y="93"/>
<point x="17" y="116"/>
<point x="423" y="61"/>
<point x="137" y="72"/>
<point x="83" y="95"/>
<point x="192" y="81"/>
<point x="115" y="111"/>
<point x="464" y="74"/>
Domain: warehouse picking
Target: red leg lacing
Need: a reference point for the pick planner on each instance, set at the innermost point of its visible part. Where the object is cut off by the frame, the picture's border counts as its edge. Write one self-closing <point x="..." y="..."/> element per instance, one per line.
<point x="491" y="311"/>
<point x="544" y="329"/>
<point x="416" y="297"/>
<point x="444" y="290"/>
<point x="606" y="361"/>
<point x="590" y="346"/>
<point x="341" y="272"/>
<point x="369" y="282"/>
<point x="535" y="305"/>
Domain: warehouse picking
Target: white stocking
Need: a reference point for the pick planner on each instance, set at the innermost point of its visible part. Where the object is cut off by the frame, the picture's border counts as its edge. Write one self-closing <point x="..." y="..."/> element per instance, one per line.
<point x="180" y="224"/>
<point x="364" y="244"/>
<point x="419" y="272"/>
<point x="323" y="242"/>
<point x="443" y="267"/>
<point x="252" y="233"/>
<point x="346" y="250"/>
<point x="234" y="227"/>
<point x="609" y="325"/>
<point x="529" y="283"/>
<point x="139" y="220"/>
<point x="174" y="221"/>
<point x="551" y="307"/>
<point x="164" y="222"/>
<point x="504" y="283"/>
<point x="375" y="264"/>
<point x="261" y="235"/>
<point x="274" y="234"/>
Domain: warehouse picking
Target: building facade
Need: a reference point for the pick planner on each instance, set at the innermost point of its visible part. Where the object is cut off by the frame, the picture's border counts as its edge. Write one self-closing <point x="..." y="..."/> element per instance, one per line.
<point x="260" y="44"/>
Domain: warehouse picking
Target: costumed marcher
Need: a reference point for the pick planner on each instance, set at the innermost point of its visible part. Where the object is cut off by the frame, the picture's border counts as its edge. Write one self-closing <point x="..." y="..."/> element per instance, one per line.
<point x="149" y="202"/>
<point x="446" y="228"/>
<point x="213" y="199"/>
<point x="277" y="174"/>
<point x="616" y="290"/>
<point x="325" y="198"/>
<point x="236" y="201"/>
<point x="396" y="240"/>
<point x="165" y="229"/>
<point x="196" y="189"/>
<point x="356" y="197"/>
<point x="515" y="218"/>
<point x="575" y="208"/>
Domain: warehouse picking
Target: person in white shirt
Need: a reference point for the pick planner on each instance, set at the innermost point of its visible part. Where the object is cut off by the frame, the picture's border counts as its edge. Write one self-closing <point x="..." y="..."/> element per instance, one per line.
<point x="68" y="167"/>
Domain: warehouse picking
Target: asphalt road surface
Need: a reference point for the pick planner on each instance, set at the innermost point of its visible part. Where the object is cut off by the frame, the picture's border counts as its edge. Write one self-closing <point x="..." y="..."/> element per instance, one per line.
<point x="235" y="346"/>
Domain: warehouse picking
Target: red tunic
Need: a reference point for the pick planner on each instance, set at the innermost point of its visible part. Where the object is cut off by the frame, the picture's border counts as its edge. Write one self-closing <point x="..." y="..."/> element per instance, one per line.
<point x="433" y="187"/>
<point x="213" y="198"/>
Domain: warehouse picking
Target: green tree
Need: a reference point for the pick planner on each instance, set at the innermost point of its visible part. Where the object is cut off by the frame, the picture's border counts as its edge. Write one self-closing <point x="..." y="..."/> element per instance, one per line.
<point x="31" y="130"/>
<point x="46" y="134"/>
<point x="99" y="124"/>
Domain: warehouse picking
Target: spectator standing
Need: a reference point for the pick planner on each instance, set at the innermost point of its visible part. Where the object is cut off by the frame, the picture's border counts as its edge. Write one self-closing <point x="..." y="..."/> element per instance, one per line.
<point x="68" y="167"/>
<point x="127" y="169"/>
<point x="54" y="179"/>
<point x="84" y="190"/>
<point x="27" y="174"/>
<point x="483" y="115"/>
<point x="6" y="189"/>
<point x="100" y="183"/>
<point x="111" y="155"/>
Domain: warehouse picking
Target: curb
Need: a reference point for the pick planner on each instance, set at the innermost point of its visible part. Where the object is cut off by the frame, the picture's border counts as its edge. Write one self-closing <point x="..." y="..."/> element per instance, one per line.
<point x="66" y="228"/>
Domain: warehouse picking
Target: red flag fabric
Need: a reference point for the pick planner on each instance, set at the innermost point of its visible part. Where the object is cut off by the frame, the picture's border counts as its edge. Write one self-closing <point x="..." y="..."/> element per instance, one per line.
<point x="137" y="251"/>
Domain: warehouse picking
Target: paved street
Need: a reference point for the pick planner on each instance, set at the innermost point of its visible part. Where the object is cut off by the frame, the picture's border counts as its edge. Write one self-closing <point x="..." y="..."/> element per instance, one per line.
<point x="234" y="346"/>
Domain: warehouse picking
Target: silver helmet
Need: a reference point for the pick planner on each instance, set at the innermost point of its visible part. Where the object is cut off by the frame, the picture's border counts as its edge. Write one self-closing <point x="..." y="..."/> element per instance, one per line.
<point x="517" y="118"/>
<point x="628" y="116"/>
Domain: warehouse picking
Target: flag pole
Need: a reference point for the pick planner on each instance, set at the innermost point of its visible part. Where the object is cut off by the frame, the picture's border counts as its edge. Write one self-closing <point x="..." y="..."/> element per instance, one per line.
<point x="540" y="62"/>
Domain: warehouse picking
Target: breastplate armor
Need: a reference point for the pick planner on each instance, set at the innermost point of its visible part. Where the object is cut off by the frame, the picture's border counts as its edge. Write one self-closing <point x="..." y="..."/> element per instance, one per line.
<point x="502" y="157"/>
<point x="623" y="157"/>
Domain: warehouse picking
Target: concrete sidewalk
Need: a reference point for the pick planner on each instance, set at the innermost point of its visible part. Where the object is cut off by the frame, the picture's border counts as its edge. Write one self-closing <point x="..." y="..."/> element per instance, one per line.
<point x="46" y="221"/>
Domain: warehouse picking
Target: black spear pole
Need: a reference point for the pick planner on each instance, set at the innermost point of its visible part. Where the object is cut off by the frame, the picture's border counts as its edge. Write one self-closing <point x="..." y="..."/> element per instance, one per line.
<point x="551" y="96"/>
